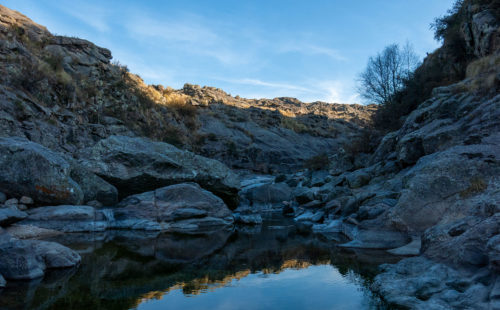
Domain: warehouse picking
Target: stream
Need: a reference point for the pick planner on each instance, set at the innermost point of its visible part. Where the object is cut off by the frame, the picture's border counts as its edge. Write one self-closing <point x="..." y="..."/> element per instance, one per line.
<point x="272" y="266"/>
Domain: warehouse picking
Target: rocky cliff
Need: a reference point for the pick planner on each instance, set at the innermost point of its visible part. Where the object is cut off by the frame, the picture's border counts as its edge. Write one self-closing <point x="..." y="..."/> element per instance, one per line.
<point x="431" y="189"/>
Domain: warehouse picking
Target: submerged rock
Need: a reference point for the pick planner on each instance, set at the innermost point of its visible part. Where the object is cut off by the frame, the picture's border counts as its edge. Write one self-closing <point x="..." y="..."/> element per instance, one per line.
<point x="248" y="219"/>
<point x="26" y="200"/>
<point x="136" y="165"/>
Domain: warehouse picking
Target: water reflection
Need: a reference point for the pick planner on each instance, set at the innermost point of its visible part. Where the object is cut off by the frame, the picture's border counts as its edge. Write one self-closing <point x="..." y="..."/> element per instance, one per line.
<point x="251" y="268"/>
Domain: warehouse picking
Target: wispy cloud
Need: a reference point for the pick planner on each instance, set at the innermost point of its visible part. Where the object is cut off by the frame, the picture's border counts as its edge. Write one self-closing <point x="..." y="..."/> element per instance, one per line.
<point x="190" y="34"/>
<point x="332" y="91"/>
<point x="312" y="49"/>
<point x="337" y="91"/>
<point x="186" y="29"/>
<point x="256" y="82"/>
<point x="93" y="16"/>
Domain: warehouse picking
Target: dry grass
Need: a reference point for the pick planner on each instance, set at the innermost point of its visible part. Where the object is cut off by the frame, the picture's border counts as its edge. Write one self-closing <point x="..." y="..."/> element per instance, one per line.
<point x="477" y="185"/>
<point x="483" y="65"/>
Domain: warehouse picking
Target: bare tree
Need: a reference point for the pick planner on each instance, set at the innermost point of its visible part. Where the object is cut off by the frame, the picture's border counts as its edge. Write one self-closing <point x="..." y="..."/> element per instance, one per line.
<point x="387" y="72"/>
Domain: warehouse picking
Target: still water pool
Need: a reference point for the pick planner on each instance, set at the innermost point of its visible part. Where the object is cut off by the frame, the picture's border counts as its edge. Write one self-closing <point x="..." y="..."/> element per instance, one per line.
<point x="312" y="287"/>
<point x="274" y="266"/>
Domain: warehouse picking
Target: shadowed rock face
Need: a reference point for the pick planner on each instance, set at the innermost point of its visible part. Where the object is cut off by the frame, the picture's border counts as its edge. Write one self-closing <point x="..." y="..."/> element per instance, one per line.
<point x="33" y="170"/>
<point x="182" y="208"/>
<point x="136" y="165"/>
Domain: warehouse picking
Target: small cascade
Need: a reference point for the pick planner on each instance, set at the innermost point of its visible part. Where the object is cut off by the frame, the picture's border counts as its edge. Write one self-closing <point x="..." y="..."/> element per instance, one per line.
<point x="108" y="215"/>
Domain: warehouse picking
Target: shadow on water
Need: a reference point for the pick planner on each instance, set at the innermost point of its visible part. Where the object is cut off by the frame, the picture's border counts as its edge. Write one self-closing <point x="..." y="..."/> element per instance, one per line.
<point x="125" y="270"/>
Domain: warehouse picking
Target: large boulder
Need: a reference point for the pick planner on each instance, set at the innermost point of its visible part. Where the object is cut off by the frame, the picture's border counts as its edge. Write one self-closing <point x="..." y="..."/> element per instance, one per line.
<point x="269" y="196"/>
<point x="358" y="178"/>
<point x="28" y="259"/>
<point x="183" y="208"/>
<point x="33" y="170"/>
<point x="136" y="165"/>
<point x="442" y="186"/>
<point x="467" y="242"/>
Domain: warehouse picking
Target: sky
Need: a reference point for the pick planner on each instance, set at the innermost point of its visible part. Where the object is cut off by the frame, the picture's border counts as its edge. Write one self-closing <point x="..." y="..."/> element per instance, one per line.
<point x="311" y="50"/>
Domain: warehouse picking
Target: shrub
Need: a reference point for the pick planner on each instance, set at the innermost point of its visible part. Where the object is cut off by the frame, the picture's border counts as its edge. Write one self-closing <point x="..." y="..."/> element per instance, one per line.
<point x="365" y="143"/>
<point x="28" y="76"/>
<point x="317" y="162"/>
<point x="232" y="149"/>
<point x="173" y="135"/>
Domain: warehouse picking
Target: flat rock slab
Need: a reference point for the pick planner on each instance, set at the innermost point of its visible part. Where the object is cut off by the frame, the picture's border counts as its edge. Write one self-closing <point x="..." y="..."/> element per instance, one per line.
<point x="10" y="215"/>
<point x="410" y="249"/>
<point x="376" y="239"/>
<point x="31" y="232"/>
<point x="67" y="218"/>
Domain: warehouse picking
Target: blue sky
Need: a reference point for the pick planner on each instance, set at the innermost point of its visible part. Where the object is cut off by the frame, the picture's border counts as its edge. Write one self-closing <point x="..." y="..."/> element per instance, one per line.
<point x="311" y="50"/>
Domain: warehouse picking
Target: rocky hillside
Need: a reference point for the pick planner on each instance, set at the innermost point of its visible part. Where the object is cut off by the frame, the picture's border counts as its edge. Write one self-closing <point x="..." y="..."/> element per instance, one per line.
<point x="430" y="190"/>
<point x="66" y="94"/>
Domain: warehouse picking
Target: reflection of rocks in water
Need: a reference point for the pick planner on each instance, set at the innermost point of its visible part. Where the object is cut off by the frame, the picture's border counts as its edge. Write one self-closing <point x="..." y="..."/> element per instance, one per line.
<point x="120" y="268"/>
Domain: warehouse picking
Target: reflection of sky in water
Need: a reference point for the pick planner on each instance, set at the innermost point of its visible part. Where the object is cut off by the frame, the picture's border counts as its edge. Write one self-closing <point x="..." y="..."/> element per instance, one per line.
<point x="315" y="288"/>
